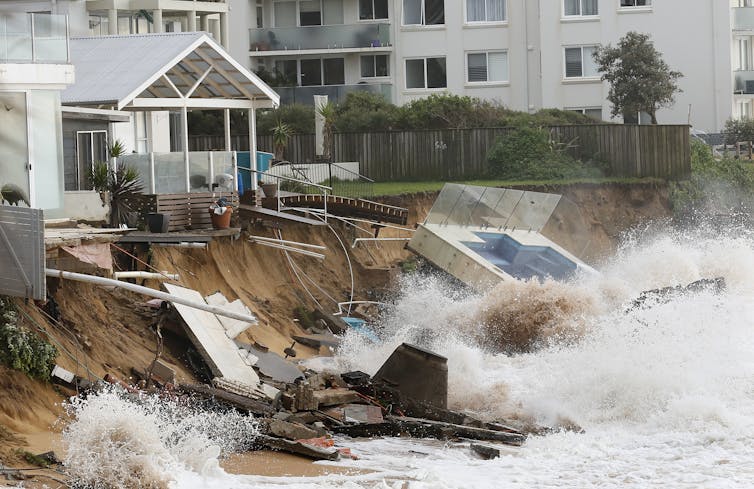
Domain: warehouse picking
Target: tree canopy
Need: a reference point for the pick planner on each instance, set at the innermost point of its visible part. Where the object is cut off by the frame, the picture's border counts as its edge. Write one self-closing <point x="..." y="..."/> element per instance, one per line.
<point x="640" y="80"/>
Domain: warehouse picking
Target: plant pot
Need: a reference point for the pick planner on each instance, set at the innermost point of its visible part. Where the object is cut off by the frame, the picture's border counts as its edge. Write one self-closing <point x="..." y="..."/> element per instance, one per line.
<point x="221" y="221"/>
<point x="158" y="223"/>
<point x="270" y="190"/>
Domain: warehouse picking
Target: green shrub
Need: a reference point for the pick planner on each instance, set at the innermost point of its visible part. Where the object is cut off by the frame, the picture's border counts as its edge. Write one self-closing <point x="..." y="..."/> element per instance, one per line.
<point x="738" y="130"/>
<point x="365" y="111"/>
<point x="21" y="349"/>
<point x="528" y="153"/>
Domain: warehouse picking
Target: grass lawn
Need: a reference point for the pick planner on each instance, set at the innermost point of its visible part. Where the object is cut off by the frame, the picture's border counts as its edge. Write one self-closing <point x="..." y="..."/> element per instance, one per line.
<point x="397" y="188"/>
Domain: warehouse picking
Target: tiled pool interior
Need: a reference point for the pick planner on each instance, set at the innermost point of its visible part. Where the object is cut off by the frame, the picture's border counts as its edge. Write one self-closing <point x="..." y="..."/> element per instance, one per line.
<point x="520" y="260"/>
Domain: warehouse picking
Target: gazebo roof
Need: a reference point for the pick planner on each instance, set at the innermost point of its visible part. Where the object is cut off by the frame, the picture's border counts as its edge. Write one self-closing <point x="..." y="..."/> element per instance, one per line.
<point x="161" y="72"/>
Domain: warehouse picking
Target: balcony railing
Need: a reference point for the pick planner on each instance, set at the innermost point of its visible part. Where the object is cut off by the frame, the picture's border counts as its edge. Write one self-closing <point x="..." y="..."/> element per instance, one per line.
<point x="743" y="19"/>
<point x="744" y="81"/>
<point x="335" y="93"/>
<point x="33" y="38"/>
<point x="320" y="37"/>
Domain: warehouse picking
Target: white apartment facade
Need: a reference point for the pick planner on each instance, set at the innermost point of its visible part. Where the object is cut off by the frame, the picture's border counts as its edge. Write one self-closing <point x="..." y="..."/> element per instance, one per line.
<point x="525" y="54"/>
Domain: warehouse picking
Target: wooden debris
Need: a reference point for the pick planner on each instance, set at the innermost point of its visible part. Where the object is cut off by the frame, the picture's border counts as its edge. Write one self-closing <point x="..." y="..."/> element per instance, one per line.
<point x="297" y="448"/>
<point x="424" y="428"/>
<point x="241" y="402"/>
<point x="485" y="451"/>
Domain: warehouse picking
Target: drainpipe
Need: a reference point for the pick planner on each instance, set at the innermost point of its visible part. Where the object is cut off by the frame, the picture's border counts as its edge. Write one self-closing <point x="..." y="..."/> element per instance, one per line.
<point x="108" y="282"/>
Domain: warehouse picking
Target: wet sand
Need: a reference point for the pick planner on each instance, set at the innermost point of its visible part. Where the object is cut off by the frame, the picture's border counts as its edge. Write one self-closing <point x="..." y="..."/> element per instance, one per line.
<point x="276" y="464"/>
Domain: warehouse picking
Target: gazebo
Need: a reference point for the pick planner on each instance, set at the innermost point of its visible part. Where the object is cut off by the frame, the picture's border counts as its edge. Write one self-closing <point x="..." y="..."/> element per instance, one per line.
<point x="165" y="72"/>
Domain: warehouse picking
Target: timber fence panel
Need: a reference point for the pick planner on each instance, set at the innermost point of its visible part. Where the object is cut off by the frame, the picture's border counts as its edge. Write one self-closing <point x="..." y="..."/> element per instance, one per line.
<point x="452" y="154"/>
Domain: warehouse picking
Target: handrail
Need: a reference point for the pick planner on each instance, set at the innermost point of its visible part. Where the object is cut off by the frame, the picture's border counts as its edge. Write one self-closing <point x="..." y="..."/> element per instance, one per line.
<point x="353" y="173"/>
<point x="287" y="178"/>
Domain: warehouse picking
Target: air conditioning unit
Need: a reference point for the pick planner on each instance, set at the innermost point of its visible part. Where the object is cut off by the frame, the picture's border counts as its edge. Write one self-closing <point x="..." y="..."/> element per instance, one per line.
<point x="749" y="86"/>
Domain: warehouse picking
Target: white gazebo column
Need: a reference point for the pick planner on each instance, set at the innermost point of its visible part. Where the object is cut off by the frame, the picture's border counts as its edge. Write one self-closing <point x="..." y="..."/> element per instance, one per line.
<point x="226" y="125"/>
<point x="184" y="117"/>
<point x="157" y="20"/>
<point x="112" y="21"/>
<point x="204" y="21"/>
<point x="224" y="30"/>
<point x="253" y="147"/>
<point x="191" y="20"/>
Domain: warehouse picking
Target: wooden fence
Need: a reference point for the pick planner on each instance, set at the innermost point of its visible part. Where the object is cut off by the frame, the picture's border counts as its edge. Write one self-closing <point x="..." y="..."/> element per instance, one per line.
<point x="660" y="151"/>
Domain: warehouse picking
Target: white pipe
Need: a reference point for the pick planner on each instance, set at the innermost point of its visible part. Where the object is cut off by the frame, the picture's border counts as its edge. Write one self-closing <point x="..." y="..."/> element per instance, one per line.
<point x="350" y="303"/>
<point x="284" y="241"/>
<point x="147" y="275"/>
<point x="319" y="256"/>
<point x="358" y="240"/>
<point x="182" y="244"/>
<point x="81" y="277"/>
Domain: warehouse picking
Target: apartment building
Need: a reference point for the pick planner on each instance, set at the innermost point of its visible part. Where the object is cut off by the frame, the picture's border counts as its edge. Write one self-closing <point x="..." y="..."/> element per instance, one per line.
<point x="526" y="54"/>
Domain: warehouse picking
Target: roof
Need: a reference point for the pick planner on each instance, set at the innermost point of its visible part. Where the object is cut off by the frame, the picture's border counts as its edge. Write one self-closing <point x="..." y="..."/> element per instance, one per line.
<point x="118" y="70"/>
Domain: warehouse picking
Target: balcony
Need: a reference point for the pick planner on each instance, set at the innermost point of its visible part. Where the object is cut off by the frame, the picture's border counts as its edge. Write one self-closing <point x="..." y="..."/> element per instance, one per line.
<point x="343" y="38"/>
<point x="743" y="19"/>
<point x="744" y="82"/>
<point x="33" y="38"/>
<point x="335" y="93"/>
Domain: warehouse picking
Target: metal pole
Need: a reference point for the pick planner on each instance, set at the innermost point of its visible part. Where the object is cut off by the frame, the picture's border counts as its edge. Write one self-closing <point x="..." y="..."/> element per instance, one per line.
<point x="108" y="282"/>
<point x="152" y="183"/>
<point x="33" y="40"/>
<point x="184" y="116"/>
<point x="226" y="125"/>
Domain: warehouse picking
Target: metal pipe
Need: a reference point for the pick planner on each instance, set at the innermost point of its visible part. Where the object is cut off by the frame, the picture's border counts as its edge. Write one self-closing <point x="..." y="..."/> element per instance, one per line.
<point x="319" y="256"/>
<point x="108" y="282"/>
<point x="350" y="303"/>
<point x="358" y="240"/>
<point x="147" y="275"/>
<point x="182" y="244"/>
<point x="284" y="241"/>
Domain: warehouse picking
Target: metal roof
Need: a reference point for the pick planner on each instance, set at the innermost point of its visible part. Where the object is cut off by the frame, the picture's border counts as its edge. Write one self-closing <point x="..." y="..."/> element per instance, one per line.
<point x="116" y="70"/>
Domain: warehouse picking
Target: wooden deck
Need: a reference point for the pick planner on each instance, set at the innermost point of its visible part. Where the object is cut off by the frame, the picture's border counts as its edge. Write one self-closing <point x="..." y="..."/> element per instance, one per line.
<point x="345" y="206"/>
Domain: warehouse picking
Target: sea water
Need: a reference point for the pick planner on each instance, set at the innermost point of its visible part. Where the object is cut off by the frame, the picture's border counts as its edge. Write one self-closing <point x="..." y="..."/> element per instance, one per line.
<point x="655" y="395"/>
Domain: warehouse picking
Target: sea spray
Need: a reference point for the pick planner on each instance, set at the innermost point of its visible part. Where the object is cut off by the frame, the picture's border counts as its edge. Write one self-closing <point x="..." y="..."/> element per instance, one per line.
<point x="119" y="441"/>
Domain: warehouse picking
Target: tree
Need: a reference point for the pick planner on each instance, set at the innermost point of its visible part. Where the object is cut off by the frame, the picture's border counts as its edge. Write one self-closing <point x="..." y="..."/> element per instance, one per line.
<point x="640" y="80"/>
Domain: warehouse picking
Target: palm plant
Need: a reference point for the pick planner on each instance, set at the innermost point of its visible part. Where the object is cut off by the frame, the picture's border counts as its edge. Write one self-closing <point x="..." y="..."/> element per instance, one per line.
<point x="124" y="186"/>
<point x="328" y="114"/>
<point x="281" y="133"/>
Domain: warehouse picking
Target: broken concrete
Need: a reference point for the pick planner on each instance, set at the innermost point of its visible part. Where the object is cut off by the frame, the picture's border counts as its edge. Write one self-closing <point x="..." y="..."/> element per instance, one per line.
<point x="334" y="397"/>
<point x="290" y="431"/>
<point x="416" y="373"/>
<point x="297" y="448"/>
<point x="485" y="451"/>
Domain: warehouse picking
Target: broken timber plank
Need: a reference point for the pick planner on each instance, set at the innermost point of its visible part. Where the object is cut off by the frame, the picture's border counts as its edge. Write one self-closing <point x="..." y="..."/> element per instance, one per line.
<point x="436" y="429"/>
<point x="242" y="402"/>
<point x="297" y="448"/>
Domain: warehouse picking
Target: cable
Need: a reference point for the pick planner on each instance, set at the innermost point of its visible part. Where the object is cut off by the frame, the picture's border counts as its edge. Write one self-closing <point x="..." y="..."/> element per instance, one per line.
<point x="348" y="258"/>
<point x="290" y="263"/>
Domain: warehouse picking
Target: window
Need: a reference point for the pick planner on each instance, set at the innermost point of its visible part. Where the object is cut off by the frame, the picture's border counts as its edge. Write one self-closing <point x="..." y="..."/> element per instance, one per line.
<point x="635" y="3"/>
<point x="423" y="12"/>
<point x="580" y="8"/>
<point x="308" y="13"/>
<point x="372" y="9"/>
<point x="91" y="148"/>
<point x="744" y="109"/>
<point x="485" y="10"/>
<point x="593" y="112"/>
<point x="260" y="17"/>
<point x="487" y="67"/>
<point x="141" y="134"/>
<point x="426" y="73"/>
<point x="744" y="54"/>
<point x="579" y="62"/>
<point x="374" y="66"/>
<point x="312" y="72"/>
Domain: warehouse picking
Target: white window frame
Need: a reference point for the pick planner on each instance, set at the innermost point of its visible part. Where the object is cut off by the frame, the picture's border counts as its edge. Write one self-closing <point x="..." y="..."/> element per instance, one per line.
<point x="468" y="22"/>
<point x="579" y="16"/>
<point x="374" y="61"/>
<point x="424" y="25"/>
<point x="582" y="77"/>
<point x="425" y="89"/>
<point x="582" y="110"/>
<point x="321" y="70"/>
<point x="372" y="20"/>
<point x="742" y="113"/>
<point x="634" y="8"/>
<point x="744" y="56"/>
<point x="79" y="177"/>
<point x="488" y="82"/>
<point x="147" y="120"/>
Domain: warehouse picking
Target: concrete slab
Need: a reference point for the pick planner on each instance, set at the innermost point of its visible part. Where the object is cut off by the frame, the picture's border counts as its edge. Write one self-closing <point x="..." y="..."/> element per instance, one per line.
<point x="208" y="336"/>
<point x="233" y="327"/>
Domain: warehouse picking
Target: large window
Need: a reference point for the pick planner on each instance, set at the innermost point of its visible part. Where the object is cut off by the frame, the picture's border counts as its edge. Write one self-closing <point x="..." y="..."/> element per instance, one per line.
<point x="743" y="60"/>
<point x="373" y="66"/>
<point x="423" y="12"/>
<point x="579" y="62"/>
<point x="635" y="3"/>
<point x="426" y="73"/>
<point x="485" y="10"/>
<point x="580" y="8"/>
<point x="488" y="67"/>
<point x="311" y="72"/>
<point x="593" y="112"/>
<point x="373" y="9"/>
<point x="308" y="12"/>
<point x="91" y="148"/>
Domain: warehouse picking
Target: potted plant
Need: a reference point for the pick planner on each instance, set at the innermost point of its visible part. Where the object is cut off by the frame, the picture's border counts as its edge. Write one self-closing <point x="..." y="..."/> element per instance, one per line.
<point x="220" y="213"/>
<point x="124" y="187"/>
<point x="270" y="189"/>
